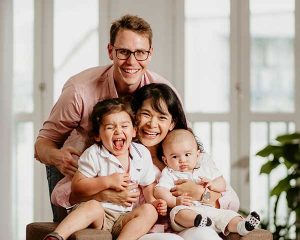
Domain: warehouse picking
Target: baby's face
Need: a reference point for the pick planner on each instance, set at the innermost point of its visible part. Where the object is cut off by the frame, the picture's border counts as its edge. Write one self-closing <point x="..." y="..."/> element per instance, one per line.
<point x="116" y="132"/>
<point x="181" y="152"/>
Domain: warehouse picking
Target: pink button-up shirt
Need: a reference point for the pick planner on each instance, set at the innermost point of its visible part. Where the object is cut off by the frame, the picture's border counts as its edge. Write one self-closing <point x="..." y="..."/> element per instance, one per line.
<point x="75" y="104"/>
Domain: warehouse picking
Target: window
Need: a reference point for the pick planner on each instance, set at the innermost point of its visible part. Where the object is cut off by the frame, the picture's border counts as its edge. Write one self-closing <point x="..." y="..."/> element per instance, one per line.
<point x="240" y="100"/>
<point x="23" y="109"/>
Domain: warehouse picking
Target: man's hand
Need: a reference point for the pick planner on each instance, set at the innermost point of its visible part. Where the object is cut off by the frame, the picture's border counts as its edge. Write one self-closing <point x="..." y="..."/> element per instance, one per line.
<point x="119" y="181"/>
<point x="161" y="206"/>
<point x="184" y="199"/>
<point x="65" y="160"/>
<point x="125" y="198"/>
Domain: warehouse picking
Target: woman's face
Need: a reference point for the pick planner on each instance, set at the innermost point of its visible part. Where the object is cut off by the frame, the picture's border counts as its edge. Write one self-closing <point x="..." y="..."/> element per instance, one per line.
<point x="153" y="126"/>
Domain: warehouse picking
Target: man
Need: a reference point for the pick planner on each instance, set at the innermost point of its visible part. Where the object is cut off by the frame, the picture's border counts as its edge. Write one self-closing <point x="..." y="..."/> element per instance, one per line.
<point x="64" y="135"/>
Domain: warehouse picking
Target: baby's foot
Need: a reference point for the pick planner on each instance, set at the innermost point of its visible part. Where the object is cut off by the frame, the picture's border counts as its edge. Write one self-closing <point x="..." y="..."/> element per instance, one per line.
<point x="252" y="221"/>
<point x="247" y="225"/>
<point x="201" y="221"/>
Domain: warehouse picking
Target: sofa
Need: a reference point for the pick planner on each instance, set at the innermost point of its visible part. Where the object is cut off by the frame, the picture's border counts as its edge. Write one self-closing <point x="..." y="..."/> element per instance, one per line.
<point x="38" y="230"/>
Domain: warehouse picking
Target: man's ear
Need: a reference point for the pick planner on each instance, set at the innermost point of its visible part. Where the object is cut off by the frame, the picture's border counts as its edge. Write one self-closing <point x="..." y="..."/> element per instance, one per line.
<point x="110" y="51"/>
<point x="150" y="55"/>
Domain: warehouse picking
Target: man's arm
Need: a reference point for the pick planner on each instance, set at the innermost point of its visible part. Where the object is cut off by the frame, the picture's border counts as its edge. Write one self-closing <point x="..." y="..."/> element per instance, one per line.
<point x="125" y="198"/>
<point x="47" y="152"/>
<point x="88" y="186"/>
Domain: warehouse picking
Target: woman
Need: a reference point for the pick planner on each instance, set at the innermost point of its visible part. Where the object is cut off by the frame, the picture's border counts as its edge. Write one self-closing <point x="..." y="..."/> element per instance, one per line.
<point x="158" y="111"/>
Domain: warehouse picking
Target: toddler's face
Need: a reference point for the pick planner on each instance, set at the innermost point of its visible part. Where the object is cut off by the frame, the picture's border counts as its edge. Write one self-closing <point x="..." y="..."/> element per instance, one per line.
<point x="181" y="152"/>
<point x="116" y="132"/>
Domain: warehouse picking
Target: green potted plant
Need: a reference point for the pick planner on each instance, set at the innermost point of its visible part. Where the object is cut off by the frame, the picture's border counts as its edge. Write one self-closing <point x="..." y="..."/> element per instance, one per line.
<point x="286" y="152"/>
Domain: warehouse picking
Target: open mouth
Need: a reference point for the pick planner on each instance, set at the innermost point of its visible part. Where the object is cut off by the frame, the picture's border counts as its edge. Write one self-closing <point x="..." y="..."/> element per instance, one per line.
<point x="118" y="143"/>
<point x="130" y="71"/>
<point x="150" y="134"/>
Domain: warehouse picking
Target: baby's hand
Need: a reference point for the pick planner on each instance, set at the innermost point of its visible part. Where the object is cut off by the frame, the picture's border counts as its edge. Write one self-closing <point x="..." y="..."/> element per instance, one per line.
<point x="119" y="181"/>
<point x="184" y="199"/>
<point x="205" y="182"/>
<point x="161" y="206"/>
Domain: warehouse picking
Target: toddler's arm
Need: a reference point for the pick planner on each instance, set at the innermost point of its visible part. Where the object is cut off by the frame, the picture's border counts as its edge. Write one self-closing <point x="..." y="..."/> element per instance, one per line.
<point x="159" y="204"/>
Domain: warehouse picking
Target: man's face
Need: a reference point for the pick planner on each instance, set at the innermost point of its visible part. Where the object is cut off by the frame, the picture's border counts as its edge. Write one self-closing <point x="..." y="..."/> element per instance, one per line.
<point x="128" y="73"/>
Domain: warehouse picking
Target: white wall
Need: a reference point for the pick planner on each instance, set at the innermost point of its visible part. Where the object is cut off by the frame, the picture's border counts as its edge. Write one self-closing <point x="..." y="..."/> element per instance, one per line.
<point x="6" y="178"/>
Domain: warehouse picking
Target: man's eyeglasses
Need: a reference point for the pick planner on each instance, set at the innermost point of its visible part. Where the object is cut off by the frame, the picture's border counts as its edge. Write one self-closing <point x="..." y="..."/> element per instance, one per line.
<point x="124" y="54"/>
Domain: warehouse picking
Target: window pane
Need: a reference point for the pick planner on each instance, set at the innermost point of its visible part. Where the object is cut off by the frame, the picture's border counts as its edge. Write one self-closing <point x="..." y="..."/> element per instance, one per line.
<point x="23" y="176"/>
<point x="207" y="31"/>
<point x="23" y="56"/>
<point x="263" y="133"/>
<point x="221" y="147"/>
<point x="272" y="55"/>
<point x="202" y="131"/>
<point x="75" y="39"/>
<point x="259" y="139"/>
<point x="215" y="139"/>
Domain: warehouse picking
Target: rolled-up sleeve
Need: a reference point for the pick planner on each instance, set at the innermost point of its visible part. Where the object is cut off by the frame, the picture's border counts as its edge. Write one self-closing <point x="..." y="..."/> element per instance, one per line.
<point x="64" y="117"/>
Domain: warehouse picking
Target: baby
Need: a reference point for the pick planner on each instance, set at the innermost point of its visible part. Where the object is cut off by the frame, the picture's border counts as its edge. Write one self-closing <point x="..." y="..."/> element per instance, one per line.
<point x="180" y="152"/>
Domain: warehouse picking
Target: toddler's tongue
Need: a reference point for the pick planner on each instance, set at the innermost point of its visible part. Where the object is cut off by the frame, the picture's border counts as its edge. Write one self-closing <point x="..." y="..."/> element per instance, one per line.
<point x="119" y="144"/>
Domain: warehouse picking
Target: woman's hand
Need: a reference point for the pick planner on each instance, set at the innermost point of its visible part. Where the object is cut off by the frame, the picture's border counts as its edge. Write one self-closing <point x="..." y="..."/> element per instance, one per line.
<point x="188" y="187"/>
<point x="161" y="206"/>
<point x="184" y="200"/>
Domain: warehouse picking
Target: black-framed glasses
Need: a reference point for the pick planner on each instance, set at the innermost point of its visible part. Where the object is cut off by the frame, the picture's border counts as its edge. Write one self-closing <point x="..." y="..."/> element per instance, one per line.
<point x="124" y="54"/>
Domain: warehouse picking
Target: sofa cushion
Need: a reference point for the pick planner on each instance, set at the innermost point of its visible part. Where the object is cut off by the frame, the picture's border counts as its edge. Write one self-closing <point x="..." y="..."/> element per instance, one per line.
<point x="38" y="230"/>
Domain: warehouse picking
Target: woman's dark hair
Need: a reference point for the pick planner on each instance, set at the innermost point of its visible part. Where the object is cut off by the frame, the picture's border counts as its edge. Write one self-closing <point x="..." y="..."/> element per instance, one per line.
<point x="109" y="106"/>
<point x="158" y="93"/>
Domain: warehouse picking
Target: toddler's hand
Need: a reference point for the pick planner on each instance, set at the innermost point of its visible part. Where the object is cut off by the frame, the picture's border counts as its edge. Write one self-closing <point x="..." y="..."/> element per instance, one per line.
<point x="119" y="181"/>
<point x="161" y="206"/>
<point x="184" y="199"/>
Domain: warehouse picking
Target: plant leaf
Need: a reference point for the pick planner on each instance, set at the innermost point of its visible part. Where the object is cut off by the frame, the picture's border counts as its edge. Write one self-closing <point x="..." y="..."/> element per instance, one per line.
<point x="292" y="197"/>
<point x="270" y="150"/>
<point x="282" y="186"/>
<point x="289" y="152"/>
<point x="287" y="138"/>
<point x="269" y="166"/>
